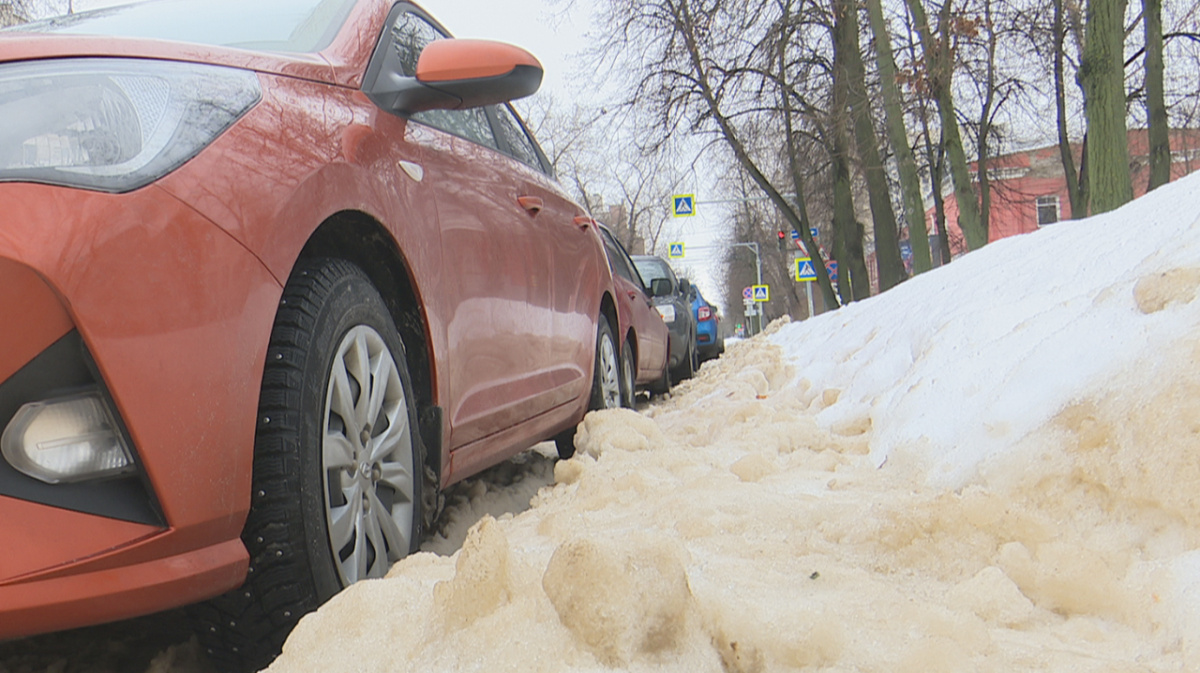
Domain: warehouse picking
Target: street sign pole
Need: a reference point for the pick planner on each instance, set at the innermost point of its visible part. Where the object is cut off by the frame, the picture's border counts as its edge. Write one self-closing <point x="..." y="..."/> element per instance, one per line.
<point x="811" y="308"/>
<point x="758" y="268"/>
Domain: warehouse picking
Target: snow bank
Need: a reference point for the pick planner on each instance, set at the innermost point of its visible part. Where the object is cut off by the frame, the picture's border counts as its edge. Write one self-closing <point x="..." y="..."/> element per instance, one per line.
<point x="990" y="468"/>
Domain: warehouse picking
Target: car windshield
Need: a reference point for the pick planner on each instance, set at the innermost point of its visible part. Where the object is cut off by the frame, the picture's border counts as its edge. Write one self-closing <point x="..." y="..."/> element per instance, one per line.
<point x="653" y="268"/>
<point x="297" y="26"/>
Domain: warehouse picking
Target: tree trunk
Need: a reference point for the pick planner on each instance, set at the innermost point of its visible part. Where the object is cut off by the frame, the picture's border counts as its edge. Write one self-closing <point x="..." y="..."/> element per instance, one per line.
<point x="1075" y="191"/>
<point x="1102" y="72"/>
<point x="1156" y="106"/>
<point x="983" y="140"/>
<point x="848" y="64"/>
<point x="910" y="185"/>
<point x="853" y="280"/>
<point x="940" y="64"/>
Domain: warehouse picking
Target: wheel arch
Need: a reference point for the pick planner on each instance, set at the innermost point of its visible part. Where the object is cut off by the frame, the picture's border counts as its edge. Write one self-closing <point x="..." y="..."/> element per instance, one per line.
<point x="608" y="309"/>
<point x="363" y="241"/>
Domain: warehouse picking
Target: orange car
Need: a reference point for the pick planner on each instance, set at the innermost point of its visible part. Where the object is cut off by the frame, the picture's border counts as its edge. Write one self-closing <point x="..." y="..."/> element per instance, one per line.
<point x="273" y="272"/>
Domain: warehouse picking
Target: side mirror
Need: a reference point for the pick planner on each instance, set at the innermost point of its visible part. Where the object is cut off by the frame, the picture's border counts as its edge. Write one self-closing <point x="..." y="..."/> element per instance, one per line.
<point x="457" y="74"/>
<point x="660" y="287"/>
<point x="685" y="288"/>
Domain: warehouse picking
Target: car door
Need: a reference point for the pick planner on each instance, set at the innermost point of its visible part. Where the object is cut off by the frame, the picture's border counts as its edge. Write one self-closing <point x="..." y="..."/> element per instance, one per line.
<point x="563" y="303"/>
<point x="494" y="279"/>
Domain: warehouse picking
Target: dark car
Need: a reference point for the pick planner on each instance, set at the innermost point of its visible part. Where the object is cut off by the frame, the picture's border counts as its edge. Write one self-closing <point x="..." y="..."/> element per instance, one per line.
<point x="709" y="342"/>
<point x="670" y="296"/>
<point x="272" y="274"/>
<point x="646" y="338"/>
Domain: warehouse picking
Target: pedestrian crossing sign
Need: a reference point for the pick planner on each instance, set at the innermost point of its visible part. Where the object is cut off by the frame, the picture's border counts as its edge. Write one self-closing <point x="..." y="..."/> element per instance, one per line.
<point x="684" y="205"/>
<point x="761" y="292"/>
<point x="805" y="273"/>
<point x="676" y="251"/>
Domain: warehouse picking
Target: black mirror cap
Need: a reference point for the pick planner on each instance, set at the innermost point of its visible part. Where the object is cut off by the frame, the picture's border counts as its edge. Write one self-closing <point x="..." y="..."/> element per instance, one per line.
<point x="661" y="287"/>
<point x="685" y="288"/>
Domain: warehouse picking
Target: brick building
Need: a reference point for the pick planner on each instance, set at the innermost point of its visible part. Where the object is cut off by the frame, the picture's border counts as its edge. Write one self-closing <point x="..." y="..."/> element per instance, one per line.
<point x="1029" y="189"/>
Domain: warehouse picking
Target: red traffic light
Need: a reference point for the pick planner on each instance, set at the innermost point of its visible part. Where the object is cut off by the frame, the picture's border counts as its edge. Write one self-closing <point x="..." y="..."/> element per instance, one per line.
<point x="781" y="235"/>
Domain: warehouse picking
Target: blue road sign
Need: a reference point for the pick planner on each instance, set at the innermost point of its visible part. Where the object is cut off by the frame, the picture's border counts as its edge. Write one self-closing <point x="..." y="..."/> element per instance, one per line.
<point x="675" y="251"/>
<point x="684" y="205"/>
<point x="832" y="267"/>
<point x="805" y="273"/>
<point x="795" y="235"/>
<point x="761" y="292"/>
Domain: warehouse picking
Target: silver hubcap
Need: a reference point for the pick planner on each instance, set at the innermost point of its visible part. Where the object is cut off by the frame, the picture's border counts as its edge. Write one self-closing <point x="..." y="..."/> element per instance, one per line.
<point x="610" y="378"/>
<point x="368" y="458"/>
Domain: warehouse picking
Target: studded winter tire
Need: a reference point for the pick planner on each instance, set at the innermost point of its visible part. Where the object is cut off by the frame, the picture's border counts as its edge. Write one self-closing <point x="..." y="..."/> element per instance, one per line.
<point x="334" y="499"/>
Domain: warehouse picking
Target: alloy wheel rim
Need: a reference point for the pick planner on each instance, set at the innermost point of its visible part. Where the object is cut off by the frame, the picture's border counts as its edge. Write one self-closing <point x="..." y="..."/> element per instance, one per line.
<point x="610" y="377"/>
<point x="366" y="451"/>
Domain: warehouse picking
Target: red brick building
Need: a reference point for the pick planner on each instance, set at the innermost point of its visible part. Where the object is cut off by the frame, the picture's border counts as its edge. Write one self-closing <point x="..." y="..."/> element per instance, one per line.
<point x="1029" y="189"/>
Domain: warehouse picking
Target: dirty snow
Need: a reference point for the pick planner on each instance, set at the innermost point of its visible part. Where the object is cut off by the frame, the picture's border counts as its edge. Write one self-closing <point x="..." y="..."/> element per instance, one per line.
<point x="993" y="467"/>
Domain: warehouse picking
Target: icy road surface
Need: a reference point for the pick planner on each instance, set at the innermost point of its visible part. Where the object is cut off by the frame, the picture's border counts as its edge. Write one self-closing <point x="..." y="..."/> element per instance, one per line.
<point x="993" y="467"/>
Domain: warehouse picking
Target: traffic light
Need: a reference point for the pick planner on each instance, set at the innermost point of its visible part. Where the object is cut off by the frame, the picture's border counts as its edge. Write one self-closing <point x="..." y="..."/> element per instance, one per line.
<point x="782" y="241"/>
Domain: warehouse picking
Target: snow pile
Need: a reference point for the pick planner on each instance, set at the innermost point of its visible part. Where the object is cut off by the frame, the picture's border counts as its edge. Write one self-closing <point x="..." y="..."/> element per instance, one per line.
<point x="991" y="468"/>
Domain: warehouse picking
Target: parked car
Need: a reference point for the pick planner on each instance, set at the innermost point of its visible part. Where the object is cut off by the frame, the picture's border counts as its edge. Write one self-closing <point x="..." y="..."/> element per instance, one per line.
<point x="709" y="342"/>
<point x="270" y="282"/>
<point x="670" y="296"/>
<point x="645" y="337"/>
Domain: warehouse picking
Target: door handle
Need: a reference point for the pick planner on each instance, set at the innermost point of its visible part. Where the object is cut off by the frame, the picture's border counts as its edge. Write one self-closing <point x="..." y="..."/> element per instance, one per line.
<point x="532" y="204"/>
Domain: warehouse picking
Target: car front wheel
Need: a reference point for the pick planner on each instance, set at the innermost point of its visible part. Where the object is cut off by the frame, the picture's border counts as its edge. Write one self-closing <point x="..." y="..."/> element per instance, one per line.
<point x="336" y="496"/>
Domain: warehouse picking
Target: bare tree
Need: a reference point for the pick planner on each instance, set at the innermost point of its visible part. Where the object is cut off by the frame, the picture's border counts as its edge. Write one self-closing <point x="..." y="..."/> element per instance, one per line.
<point x="938" y="58"/>
<point x="910" y="185"/>
<point x="1156" y="106"/>
<point x="848" y="64"/>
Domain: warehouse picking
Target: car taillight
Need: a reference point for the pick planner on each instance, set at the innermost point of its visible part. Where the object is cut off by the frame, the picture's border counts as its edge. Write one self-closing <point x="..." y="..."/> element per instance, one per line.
<point x="705" y="313"/>
<point x="113" y="124"/>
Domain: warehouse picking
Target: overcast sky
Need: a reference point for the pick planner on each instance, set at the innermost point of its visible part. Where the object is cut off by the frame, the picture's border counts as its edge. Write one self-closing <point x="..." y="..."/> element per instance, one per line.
<point x="555" y="38"/>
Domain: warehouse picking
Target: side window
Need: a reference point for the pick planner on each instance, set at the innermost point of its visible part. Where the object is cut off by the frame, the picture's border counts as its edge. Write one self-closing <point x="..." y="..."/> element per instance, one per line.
<point x="410" y="34"/>
<point x="620" y="262"/>
<point x="516" y="142"/>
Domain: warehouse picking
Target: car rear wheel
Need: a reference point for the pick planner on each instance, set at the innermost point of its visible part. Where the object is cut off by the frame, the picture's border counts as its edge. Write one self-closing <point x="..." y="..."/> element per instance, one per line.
<point x="334" y="499"/>
<point x="687" y="366"/>
<point x="606" y="384"/>
<point x="663" y="385"/>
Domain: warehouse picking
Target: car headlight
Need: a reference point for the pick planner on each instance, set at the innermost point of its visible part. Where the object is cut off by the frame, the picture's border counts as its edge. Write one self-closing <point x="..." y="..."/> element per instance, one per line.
<point x="667" y="311"/>
<point x="113" y="124"/>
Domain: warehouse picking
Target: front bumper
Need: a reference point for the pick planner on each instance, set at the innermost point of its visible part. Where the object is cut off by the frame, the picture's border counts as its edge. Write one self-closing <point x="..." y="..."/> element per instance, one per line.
<point x="174" y="317"/>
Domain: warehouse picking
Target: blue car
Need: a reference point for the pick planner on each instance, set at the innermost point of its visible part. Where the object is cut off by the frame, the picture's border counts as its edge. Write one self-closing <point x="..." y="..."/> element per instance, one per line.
<point x="709" y="342"/>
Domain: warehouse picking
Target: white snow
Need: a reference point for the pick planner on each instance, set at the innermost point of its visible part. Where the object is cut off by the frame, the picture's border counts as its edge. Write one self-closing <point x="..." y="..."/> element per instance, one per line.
<point x="994" y="467"/>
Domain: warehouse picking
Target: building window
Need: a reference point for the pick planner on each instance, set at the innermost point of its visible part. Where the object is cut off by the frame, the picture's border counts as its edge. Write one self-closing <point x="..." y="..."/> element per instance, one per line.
<point x="1047" y="209"/>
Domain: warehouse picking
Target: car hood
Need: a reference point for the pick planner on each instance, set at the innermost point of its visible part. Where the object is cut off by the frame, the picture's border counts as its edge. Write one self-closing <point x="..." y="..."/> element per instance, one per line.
<point x="18" y="46"/>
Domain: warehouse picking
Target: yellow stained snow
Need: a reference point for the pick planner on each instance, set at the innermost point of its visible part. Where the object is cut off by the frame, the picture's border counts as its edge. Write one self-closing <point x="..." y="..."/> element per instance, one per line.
<point x="725" y="530"/>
